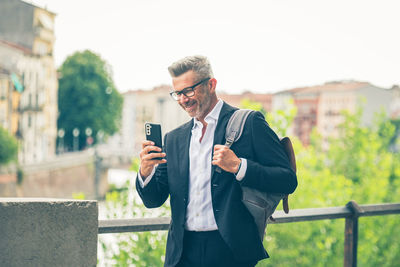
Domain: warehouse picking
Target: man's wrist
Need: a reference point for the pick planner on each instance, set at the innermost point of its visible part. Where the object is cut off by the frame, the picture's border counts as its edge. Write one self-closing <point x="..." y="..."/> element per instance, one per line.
<point x="238" y="169"/>
<point x="144" y="181"/>
<point x="242" y="169"/>
<point x="141" y="175"/>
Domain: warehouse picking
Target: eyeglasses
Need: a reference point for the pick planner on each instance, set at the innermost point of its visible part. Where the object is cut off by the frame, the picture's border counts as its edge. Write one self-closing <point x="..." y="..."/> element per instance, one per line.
<point x="188" y="91"/>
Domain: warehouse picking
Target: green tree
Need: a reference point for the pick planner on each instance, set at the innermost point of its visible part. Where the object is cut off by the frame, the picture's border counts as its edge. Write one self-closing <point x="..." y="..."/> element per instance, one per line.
<point x="8" y="147"/>
<point x="279" y="120"/>
<point x="87" y="98"/>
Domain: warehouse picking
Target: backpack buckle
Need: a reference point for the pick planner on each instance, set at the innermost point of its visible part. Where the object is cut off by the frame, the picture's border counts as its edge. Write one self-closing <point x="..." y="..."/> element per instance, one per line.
<point x="231" y="138"/>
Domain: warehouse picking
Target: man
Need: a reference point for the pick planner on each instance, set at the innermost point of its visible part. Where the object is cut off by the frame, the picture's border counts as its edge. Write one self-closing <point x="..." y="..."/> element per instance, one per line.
<point x="210" y="226"/>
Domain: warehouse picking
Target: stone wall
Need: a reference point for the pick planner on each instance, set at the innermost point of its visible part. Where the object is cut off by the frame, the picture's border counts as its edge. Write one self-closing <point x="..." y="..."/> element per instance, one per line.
<point x="62" y="177"/>
<point x="69" y="174"/>
<point x="48" y="232"/>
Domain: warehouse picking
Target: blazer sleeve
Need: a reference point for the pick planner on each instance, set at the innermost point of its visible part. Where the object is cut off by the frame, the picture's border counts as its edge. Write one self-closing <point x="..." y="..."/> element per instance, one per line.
<point x="156" y="192"/>
<point x="269" y="170"/>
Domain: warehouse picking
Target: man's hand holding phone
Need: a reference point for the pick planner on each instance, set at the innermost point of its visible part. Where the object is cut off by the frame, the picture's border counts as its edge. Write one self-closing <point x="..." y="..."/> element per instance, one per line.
<point x="151" y="153"/>
<point x="149" y="160"/>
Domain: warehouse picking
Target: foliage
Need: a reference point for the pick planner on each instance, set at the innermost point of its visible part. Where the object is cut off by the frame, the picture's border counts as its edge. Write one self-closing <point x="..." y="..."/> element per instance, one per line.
<point x="246" y="103"/>
<point x="280" y="121"/>
<point x="132" y="249"/>
<point x="79" y="196"/>
<point x="87" y="98"/>
<point x="8" y="147"/>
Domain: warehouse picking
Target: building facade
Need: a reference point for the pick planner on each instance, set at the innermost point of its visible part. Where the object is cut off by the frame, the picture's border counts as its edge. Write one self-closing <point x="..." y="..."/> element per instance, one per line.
<point x="29" y="76"/>
<point x="236" y="99"/>
<point x="321" y="106"/>
<point x="318" y="107"/>
<point x="395" y="103"/>
<point x="141" y="106"/>
<point x="9" y="100"/>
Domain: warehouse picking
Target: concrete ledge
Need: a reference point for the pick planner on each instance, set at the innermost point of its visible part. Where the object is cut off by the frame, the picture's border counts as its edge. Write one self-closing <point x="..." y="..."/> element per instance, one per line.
<point x="48" y="232"/>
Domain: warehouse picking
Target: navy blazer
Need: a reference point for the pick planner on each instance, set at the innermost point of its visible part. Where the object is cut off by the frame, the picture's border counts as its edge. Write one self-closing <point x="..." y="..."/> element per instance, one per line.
<point x="268" y="170"/>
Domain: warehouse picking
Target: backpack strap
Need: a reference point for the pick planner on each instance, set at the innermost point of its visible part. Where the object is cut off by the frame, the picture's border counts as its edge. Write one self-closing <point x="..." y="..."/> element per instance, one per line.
<point x="234" y="128"/>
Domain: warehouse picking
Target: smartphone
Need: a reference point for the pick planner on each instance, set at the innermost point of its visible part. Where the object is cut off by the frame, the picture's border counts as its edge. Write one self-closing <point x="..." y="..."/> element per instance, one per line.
<point x="153" y="133"/>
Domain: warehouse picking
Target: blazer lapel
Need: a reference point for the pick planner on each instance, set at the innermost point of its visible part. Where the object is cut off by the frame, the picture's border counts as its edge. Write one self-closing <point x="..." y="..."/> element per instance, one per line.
<point x="183" y="152"/>
<point x="219" y="135"/>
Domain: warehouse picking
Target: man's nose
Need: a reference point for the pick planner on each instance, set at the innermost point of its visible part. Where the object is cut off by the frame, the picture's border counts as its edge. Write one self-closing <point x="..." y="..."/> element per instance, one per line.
<point x="182" y="98"/>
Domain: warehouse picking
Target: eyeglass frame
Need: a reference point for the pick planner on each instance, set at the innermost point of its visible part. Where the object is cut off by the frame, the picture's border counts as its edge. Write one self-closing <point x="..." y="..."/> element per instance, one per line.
<point x="188" y="90"/>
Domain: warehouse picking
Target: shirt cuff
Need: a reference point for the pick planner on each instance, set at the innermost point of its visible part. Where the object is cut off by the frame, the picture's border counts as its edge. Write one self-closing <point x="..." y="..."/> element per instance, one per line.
<point x="143" y="184"/>
<point x="242" y="171"/>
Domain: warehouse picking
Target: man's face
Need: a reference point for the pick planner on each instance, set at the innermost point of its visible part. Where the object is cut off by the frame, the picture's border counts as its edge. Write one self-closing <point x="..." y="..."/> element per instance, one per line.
<point x="199" y="105"/>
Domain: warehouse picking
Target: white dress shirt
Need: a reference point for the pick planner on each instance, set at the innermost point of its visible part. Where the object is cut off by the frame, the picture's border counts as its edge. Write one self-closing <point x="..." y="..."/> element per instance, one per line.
<point x="199" y="213"/>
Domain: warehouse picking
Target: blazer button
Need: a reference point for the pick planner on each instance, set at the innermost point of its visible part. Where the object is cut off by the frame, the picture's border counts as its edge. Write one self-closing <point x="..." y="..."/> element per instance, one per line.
<point x="215" y="184"/>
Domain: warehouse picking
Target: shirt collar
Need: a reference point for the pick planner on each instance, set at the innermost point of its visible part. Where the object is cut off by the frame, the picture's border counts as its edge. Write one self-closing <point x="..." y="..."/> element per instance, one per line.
<point x="212" y="116"/>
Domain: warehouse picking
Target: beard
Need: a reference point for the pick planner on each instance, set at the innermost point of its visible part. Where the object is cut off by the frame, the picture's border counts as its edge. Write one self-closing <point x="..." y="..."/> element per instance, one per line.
<point x="198" y="108"/>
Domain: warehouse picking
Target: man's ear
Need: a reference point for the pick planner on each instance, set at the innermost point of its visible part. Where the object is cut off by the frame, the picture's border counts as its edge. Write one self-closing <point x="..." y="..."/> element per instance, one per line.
<point x="213" y="84"/>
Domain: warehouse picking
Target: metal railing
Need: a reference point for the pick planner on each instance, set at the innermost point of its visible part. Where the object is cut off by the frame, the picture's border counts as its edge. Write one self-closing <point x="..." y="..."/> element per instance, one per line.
<point x="351" y="212"/>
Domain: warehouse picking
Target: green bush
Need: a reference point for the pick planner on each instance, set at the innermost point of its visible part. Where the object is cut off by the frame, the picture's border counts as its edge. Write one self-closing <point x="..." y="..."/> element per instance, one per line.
<point x="132" y="249"/>
<point x="8" y="147"/>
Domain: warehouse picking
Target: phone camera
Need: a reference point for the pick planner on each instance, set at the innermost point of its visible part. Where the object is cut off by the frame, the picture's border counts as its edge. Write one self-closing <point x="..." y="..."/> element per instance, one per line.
<point x="148" y="129"/>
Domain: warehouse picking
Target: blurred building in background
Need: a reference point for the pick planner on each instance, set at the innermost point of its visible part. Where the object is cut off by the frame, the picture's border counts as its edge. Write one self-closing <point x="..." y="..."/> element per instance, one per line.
<point x="28" y="78"/>
<point x="395" y="103"/>
<point x="235" y="99"/>
<point x="9" y="101"/>
<point x="320" y="106"/>
<point x="142" y="106"/>
<point x="317" y="106"/>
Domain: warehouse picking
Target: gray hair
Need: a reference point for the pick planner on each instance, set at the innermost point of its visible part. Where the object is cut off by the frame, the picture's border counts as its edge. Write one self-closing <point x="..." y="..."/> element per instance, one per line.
<point x="199" y="64"/>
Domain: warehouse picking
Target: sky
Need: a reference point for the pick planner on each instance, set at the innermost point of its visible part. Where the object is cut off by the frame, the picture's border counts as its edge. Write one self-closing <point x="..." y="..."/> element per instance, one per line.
<point x="262" y="46"/>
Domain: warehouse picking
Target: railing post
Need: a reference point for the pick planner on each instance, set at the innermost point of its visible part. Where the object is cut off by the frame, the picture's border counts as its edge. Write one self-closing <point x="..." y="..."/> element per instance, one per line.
<point x="351" y="235"/>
